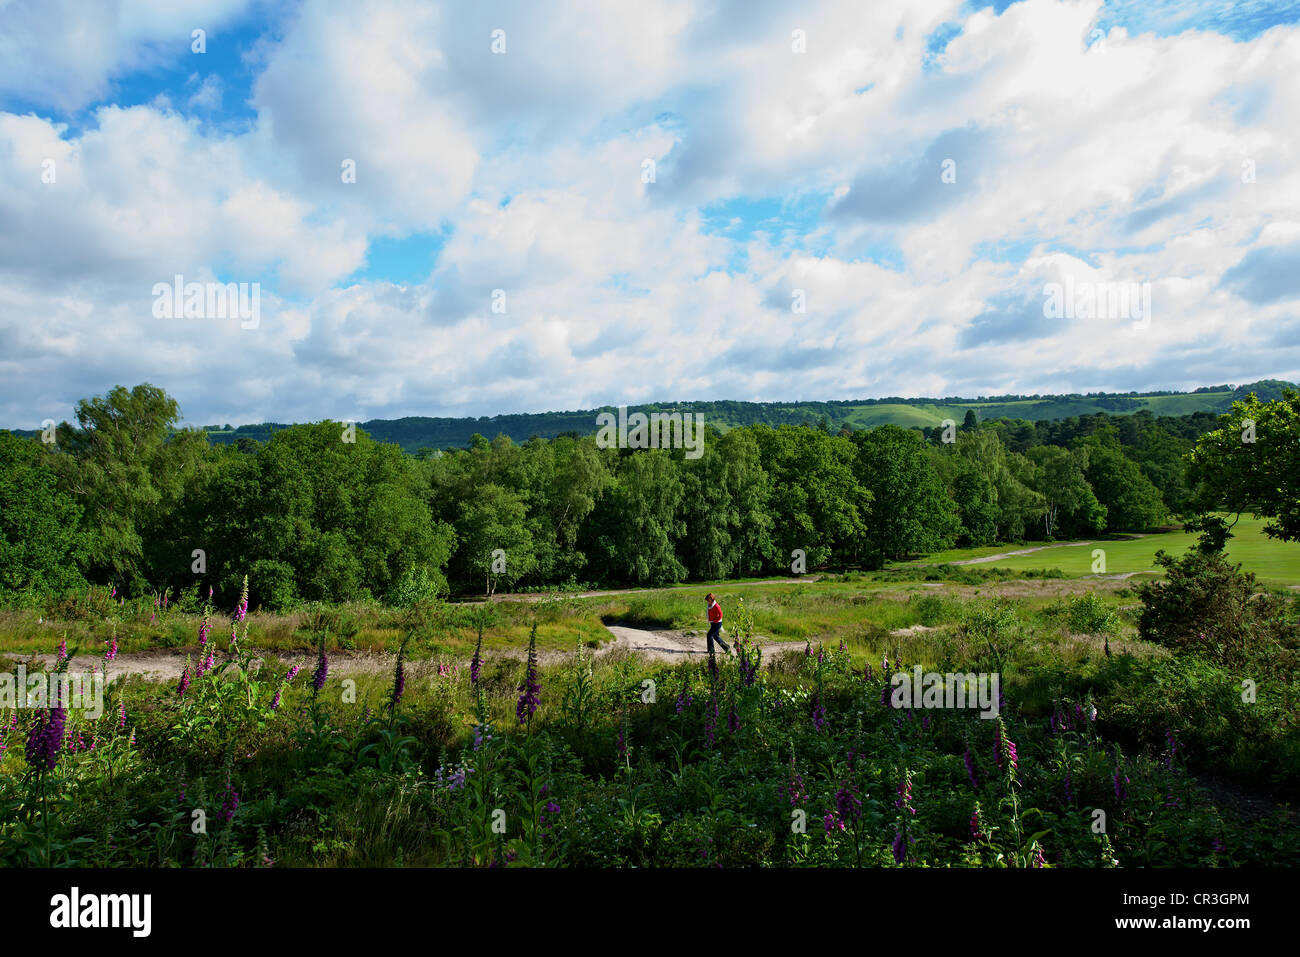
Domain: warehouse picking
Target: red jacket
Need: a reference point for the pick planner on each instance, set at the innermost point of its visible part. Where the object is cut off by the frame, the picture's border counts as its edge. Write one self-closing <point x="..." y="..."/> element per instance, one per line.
<point x="715" y="612"/>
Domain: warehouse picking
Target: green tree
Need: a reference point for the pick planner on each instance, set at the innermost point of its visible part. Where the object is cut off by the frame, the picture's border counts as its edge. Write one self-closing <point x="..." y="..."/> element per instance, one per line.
<point x="1251" y="463"/>
<point x="128" y="469"/>
<point x="817" y="503"/>
<point x="911" y="510"/>
<point x="40" y="538"/>
<point x="637" y="525"/>
<point x="495" y="544"/>
<point x="1067" y="496"/>
<point x="1132" y="503"/>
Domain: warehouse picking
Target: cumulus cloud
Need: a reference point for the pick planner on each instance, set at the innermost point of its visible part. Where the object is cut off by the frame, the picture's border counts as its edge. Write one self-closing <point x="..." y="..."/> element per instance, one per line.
<point x="577" y="178"/>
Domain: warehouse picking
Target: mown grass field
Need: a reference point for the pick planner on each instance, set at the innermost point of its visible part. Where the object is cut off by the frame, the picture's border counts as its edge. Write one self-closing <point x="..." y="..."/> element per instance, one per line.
<point x="1272" y="561"/>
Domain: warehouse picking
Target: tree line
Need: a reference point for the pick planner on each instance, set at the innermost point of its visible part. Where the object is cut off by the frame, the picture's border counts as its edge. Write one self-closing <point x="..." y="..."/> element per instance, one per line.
<point x="323" y="512"/>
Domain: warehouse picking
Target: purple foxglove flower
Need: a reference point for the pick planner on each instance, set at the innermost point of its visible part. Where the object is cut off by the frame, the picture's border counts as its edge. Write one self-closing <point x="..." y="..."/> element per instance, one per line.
<point x="184" y="686"/>
<point x="45" y="740"/>
<point x="111" y="653"/>
<point x="847" y="803"/>
<point x="293" y="673"/>
<point x="229" y="804"/>
<point x="275" y="702"/>
<point x="530" y="690"/>
<point x="321" y="673"/>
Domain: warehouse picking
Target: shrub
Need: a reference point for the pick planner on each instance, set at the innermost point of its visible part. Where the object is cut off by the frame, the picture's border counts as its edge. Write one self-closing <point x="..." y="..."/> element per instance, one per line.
<point x="1210" y="607"/>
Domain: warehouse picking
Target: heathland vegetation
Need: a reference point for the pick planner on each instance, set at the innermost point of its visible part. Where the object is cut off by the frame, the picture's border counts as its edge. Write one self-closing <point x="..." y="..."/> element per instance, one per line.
<point x="345" y="712"/>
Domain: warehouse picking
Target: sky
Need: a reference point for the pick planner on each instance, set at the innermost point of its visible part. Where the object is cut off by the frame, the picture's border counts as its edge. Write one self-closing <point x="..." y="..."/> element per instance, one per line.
<point x="478" y="208"/>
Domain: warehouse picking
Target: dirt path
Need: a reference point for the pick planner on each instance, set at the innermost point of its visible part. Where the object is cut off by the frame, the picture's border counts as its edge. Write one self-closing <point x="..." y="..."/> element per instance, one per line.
<point x="674" y="646"/>
<point x="167" y="665"/>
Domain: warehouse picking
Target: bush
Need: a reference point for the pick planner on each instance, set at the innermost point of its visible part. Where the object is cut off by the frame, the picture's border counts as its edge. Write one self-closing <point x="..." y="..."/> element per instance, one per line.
<point x="415" y="587"/>
<point x="1090" y="615"/>
<point x="1209" y="607"/>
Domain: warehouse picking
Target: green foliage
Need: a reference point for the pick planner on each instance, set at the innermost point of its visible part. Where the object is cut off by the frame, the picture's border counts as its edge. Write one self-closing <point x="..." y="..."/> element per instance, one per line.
<point x="1090" y="615"/>
<point x="1251" y="463"/>
<point x="39" y="538"/>
<point x="1206" y="606"/>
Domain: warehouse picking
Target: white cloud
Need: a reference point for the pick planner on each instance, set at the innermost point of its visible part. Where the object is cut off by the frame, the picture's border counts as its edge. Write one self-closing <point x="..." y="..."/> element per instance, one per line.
<point x="1121" y="161"/>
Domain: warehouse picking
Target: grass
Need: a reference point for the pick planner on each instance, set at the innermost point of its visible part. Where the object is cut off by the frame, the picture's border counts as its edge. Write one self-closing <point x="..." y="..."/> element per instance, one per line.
<point x="1273" y="561"/>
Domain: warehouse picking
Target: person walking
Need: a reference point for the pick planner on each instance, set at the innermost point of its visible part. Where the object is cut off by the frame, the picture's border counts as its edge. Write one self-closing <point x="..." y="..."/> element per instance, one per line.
<point x="715" y="624"/>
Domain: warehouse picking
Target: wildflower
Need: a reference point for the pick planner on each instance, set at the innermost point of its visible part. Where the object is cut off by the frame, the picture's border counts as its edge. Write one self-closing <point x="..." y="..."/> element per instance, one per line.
<point x="1004" y="749"/>
<point x="293" y="673"/>
<point x="794" y="789"/>
<point x="203" y="633"/>
<point x="885" y="695"/>
<point x="622" y="744"/>
<point x="63" y="649"/>
<point x="1174" y="747"/>
<point x="209" y="591"/>
<point x="710" y="721"/>
<point x="544" y="818"/>
<point x="1092" y="713"/>
<point x="530" y="690"/>
<point x="121" y="715"/>
<point x="481" y="736"/>
<point x="819" y="714"/>
<point x="1120" y="791"/>
<point x="184" y="686"/>
<point x="900" y="848"/>
<point x="275" y="702"/>
<point x="45" y="740"/>
<point x="476" y="664"/>
<point x="975" y="831"/>
<point x="807" y="649"/>
<point x="970" y="770"/>
<point x="884" y="663"/>
<point x="322" y="671"/>
<point x="866" y="672"/>
<point x="111" y="653"/>
<point x="399" y="684"/>
<point x="847" y="803"/>
<point x="904" y="791"/>
<point x="684" y="701"/>
<point x="229" y="804"/>
<point x="1039" y="860"/>
<point x="831" y="822"/>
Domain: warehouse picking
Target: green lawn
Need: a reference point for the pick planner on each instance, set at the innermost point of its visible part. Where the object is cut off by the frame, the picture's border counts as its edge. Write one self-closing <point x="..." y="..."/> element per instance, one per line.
<point x="1272" y="561"/>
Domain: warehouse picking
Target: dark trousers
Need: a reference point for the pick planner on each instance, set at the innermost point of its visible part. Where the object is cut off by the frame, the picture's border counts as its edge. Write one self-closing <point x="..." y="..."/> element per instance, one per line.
<point x="714" y="629"/>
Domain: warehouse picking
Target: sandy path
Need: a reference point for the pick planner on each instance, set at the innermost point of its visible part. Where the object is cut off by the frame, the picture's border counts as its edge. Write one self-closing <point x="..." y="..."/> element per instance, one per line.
<point x="674" y="646"/>
<point x="667" y="646"/>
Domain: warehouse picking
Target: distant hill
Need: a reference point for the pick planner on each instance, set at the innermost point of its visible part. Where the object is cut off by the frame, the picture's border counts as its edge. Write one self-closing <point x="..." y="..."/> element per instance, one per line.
<point x="418" y="432"/>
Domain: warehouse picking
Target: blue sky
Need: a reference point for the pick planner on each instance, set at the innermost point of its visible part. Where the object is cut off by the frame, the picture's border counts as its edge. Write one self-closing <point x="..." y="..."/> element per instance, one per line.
<point x="690" y="200"/>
